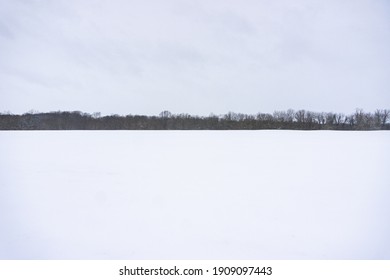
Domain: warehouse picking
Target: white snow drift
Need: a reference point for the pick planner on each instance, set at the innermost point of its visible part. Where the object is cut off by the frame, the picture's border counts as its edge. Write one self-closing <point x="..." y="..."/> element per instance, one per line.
<point x="194" y="195"/>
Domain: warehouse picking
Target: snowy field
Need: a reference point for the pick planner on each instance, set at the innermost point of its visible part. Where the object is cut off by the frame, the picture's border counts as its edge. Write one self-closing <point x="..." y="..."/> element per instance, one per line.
<point x="194" y="195"/>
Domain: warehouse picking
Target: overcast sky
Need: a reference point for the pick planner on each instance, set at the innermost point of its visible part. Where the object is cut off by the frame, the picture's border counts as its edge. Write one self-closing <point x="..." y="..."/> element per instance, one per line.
<point x="194" y="56"/>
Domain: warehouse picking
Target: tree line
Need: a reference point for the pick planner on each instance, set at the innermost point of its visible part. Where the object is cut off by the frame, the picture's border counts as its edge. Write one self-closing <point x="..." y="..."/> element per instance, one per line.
<point x="290" y="119"/>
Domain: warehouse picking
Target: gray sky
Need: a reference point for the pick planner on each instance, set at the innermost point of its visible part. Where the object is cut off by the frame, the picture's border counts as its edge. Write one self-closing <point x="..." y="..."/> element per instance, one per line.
<point x="194" y="56"/>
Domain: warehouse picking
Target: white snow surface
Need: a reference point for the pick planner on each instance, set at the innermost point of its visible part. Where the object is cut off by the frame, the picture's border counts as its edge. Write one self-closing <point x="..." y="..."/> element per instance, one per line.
<point x="194" y="195"/>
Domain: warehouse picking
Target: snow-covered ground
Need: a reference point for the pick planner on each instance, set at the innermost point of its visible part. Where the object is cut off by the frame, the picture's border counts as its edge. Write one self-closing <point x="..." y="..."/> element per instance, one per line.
<point x="194" y="195"/>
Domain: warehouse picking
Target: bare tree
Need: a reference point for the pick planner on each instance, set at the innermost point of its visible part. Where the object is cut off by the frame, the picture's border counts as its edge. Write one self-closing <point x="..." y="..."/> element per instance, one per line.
<point x="381" y="117"/>
<point x="320" y="118"/>
<point x="300" y="116"/>
<point x="165" y="114"/>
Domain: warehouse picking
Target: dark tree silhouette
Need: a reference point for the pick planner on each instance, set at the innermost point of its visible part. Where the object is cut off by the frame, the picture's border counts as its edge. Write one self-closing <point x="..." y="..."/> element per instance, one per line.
<point x="290" y="119"/>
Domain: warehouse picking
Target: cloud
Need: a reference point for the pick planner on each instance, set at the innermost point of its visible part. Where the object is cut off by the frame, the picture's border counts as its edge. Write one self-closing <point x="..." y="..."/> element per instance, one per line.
<point x="193" y="56"/>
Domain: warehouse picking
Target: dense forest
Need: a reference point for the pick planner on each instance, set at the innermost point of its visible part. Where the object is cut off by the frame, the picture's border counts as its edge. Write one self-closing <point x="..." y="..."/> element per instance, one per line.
<point x="290" y="119"/>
